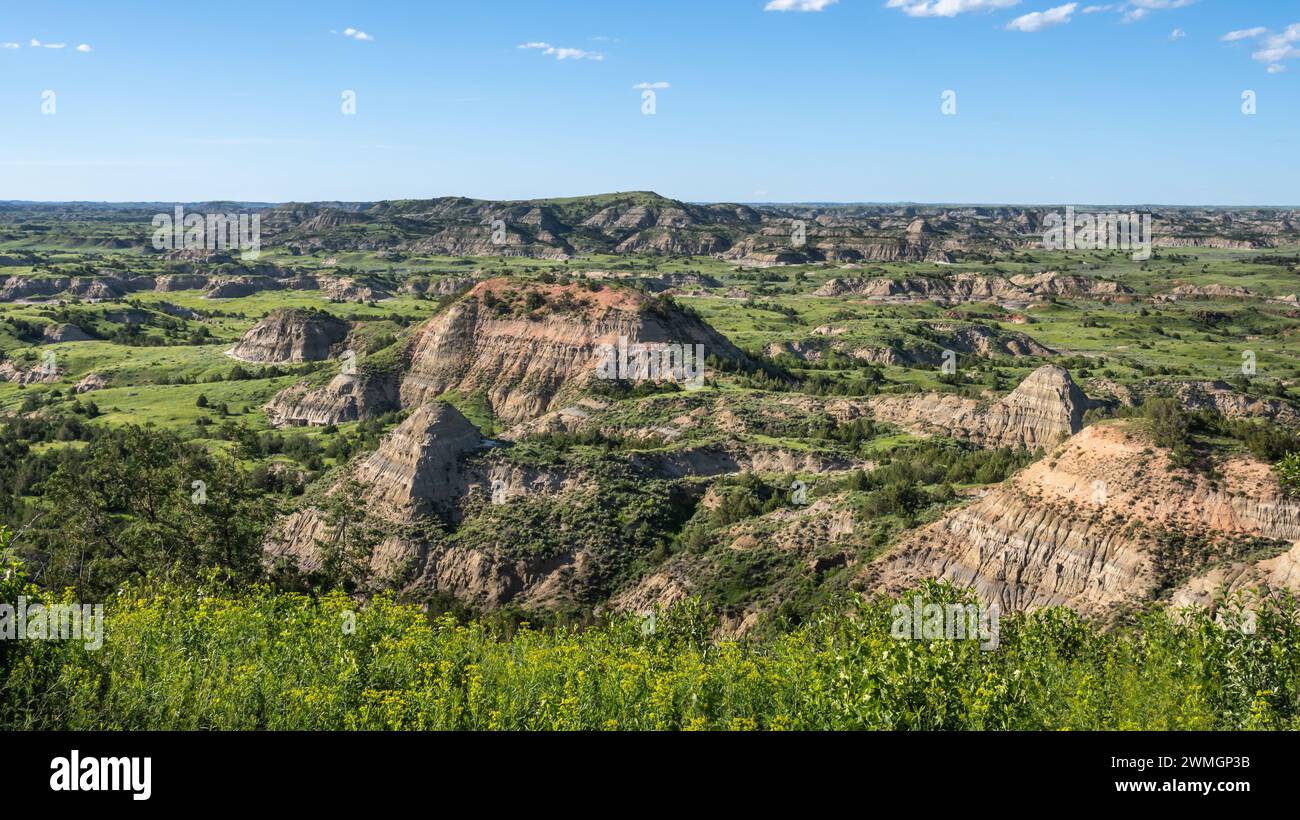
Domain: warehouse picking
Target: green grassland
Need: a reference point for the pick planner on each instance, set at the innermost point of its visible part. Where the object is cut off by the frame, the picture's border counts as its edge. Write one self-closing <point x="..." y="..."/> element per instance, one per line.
<point x="179" y="658"/>
<point x="1124" y="339"/>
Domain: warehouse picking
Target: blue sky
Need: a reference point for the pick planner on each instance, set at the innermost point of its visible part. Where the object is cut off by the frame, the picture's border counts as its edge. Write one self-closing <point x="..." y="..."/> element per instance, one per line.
<point x="1138" y="101"/>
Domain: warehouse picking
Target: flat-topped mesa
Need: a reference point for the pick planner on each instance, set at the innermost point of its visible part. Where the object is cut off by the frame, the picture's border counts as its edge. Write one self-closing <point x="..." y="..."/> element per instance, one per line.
<point x="1044" y="408"/>
<point x="290" y="335"/>
<point x="524" y="346"/>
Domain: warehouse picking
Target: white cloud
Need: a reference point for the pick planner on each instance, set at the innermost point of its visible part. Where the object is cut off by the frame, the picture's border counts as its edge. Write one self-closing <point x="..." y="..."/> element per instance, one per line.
<point x="1279" y="47"/>
<point x="34" y="43"/>
<point x="1139" y="9"/>
<point x="1177" y="34"/>
<point x="648" y="86"/>
<point x="561" y="53"/>
<point x="1039" y="20"/>
<point x="1271" y="48"/>
<point x="357" y="34"/>
<point x="947" y="8"/>
<point x="1095" y="9"/>
<point x="577" y="54"/>
<point x="1243" y="34"/>
<point x="799" y="5"/>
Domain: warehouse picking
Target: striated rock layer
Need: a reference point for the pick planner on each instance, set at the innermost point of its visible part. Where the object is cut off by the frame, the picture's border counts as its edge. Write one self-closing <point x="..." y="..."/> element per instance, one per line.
<point x="523" y="346"/>
<point x="1079" y="528"/>
<point x="291" y="335"/>
<point x="1044" y="408"/>
<point x="344" y="398"/>
<point x="973" y="287"/>
<point x="415" y="471"/>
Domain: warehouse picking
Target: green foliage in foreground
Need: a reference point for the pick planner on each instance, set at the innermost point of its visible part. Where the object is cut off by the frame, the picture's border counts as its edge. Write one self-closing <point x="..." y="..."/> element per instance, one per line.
<point x="177" y="658"/>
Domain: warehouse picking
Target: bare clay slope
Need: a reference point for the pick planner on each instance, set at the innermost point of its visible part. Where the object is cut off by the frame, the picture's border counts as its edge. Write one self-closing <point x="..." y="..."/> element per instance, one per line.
<point x="1043" y="409"/>
<point x="1082" y="526"/>
<point x="291" y="335"/>
<point x="416" y="471"/>
<point x="524" y="346"/>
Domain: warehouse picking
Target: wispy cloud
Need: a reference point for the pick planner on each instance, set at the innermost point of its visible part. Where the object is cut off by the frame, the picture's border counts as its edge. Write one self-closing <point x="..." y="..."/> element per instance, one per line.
<point x="562" y="53"/>
<point x="1243" y="34"/>
<point x="34" y="43"/>
<point x="1177" y="34"/>
<point x="947" y="8"/>
<point x="799" y="5"/>
<point x="246" y="141"/>
<point x="1271" y="48"/>
<point x="1139" y="9"/>
<point x="651" y="86"/>
<point x="1039" y="20"/>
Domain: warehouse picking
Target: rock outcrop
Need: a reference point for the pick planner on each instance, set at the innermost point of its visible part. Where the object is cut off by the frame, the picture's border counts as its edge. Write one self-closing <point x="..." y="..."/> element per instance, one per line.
<point x="1217" y="396"/>
<point x="416" y="468"/>
<point x="37" y="374"/>
<point x="1046" y="407"/>
<point x="64" y="333"/>
<point x="415" y="471"/>
<point x="91" y="382"/>
<point x="344" y="398"/>
<point x="1082" y="526"/>
<point x="291" y="335"/>
<point x="524" y="346"/>
<point x="974" y="287"/>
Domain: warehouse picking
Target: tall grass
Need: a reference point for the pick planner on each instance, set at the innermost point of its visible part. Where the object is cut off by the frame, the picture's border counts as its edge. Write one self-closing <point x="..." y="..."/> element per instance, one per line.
<point x="177" y="657"/>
